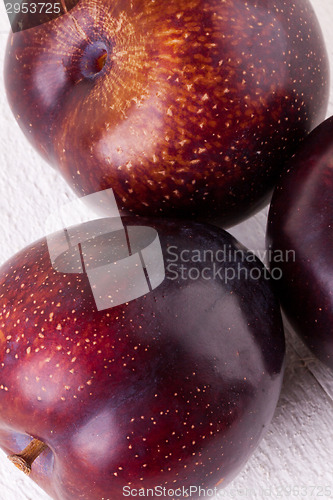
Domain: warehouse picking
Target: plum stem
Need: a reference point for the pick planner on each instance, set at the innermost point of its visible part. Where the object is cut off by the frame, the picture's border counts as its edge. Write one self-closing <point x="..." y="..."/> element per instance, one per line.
<point x="63" y="4"/>
<point x="24" y="460"/>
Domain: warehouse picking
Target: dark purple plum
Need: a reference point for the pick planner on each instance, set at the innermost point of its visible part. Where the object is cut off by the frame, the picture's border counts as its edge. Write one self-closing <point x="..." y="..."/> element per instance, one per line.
<point x="301" y="221"/>
<point x="182" y="107"/>
<point x="174" y="388"/>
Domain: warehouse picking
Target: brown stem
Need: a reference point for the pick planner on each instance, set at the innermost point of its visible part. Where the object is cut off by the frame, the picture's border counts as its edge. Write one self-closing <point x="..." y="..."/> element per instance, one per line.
<point x="63" y="4"/>
<point x="24" y="460"/>
<point x="100" y="63"/>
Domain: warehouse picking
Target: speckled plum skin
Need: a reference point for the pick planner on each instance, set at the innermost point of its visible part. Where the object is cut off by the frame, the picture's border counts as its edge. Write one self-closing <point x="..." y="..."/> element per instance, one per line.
<point x="195" y="111"/>
<point x="301" y="219"/>
<point x="173" y="389"/>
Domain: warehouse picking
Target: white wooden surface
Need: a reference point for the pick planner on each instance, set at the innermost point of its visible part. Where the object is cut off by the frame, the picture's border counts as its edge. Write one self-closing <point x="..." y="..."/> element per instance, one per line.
<point x="295" y="459"/>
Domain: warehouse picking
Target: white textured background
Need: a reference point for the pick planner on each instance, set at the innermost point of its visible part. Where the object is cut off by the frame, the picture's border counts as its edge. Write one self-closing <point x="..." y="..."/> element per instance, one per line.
<point x="295" y="459"/>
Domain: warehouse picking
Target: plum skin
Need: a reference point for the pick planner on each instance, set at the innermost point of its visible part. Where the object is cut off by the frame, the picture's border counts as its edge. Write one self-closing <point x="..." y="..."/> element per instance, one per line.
<point x="177" y="385"/>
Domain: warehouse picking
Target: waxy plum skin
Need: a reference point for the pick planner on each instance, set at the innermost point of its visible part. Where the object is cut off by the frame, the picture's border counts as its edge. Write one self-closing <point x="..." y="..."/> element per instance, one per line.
<point x="174" y="388"/>
<point x="301" y="219"/>
<point x="195" y="112"/>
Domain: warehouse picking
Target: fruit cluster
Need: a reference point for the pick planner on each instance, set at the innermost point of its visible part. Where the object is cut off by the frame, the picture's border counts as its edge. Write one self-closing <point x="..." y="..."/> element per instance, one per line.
<point x="181" y="113"/>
